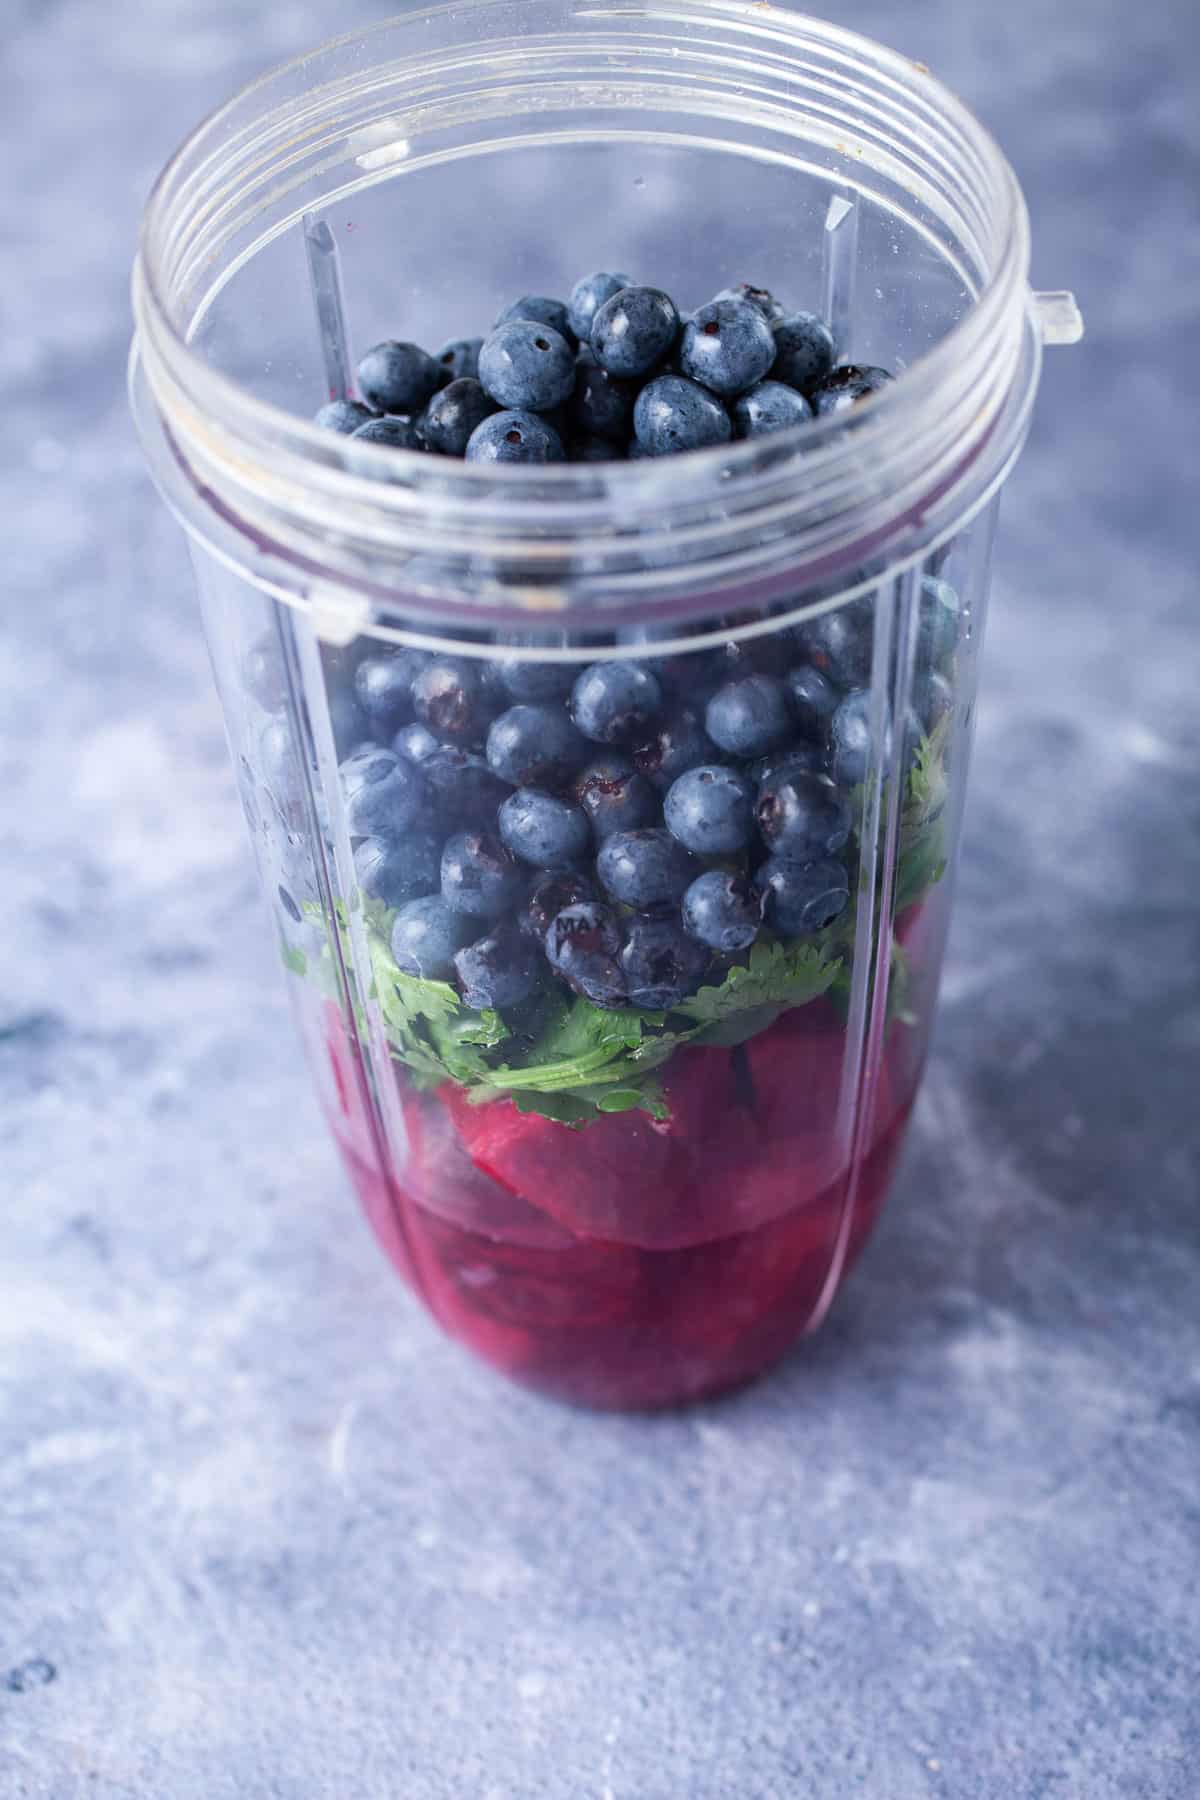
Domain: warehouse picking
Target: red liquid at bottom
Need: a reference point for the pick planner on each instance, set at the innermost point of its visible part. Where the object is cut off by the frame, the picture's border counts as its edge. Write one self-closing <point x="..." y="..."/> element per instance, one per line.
<point x="633" y="1264"/>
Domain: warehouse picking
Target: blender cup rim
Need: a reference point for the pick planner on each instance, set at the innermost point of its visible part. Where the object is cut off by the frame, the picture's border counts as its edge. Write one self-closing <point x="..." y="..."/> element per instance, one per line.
<point x="263" y="462"/>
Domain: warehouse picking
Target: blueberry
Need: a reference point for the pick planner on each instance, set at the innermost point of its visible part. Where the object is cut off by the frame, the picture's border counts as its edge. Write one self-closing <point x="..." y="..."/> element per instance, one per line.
<point x="397" y="378"/>
<point x="615" y="797"/>
<point x="338" y="662"/>
<point x="541" y="310"/>
<point x="347" y="721"/>
<point x="496" y="693"/>
<point x="535" y="746"/>
<point x="634" y="330"/>
<point x="914" y="727"/>
<point x="770" y="406"/>
<point x="350" y="763"/>
<point x="801" y="817"/>
<point x="601" y="405"/>
<point x="751" y="656"/>
<point x="496" y="971"/>
<point x="750" y="715"/>
<point x="644" y="869"/>
<point x="939" y="622"/>
<point x="613" y="702"/>
<point x="583" y="944"/>
<point x="393" y="434"/>
<point x="515" y="437"/>
<point x="281" y="771"/>
<point x="800" y="759"/>
<point x="850" y="744"/>
<point x="459" y="358"/>
<point x="710" y="810"/>
<point x="802" y="897"/>
<point x="933" y="701"/>
<point x="594" y="450"/>
<point x="263" y="673"/>
<point x="723" y="910"/>
<point x="342" y="416"/>
<point x="416" y="742"/>
<point x="395" y="871"/>
<point x="463" y="786"/>
<point x="384" y="795"/>
<point x="670" y="364"/>
<point x="559" y="420"/>
<point x="678" y="742"/>
<point x="530" y="680"/>
<point x="588" y="296"/>
<point x="673" y="414"/>
<point x="452" y="415"/>
<point x="479" y="876"/>
<point x="727" y="346"/>
<point x="527" y="365"/>
<point x="850" y="739"/>
<point x="425" y="937"/>
<point x="543" y="830"/>
<point x="814" y="700"/>
<point x="803" y="350"/>
<point x="839" y="643"/>
<point x="633" y="639"/>
<point x="287" y="901"/>
<point x="845" y="386"/>
<point x="548" y="896"/>
<point x="660" y="963"/>
<point x="691" y="679"/>
<point x="762" y="298"/>
<point x="450" y="697"/>
<point x="289" y="905"/>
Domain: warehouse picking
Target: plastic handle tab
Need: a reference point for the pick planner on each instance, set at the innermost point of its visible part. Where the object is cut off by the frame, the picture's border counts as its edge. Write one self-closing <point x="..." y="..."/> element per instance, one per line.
<point x="1058" y="318"/>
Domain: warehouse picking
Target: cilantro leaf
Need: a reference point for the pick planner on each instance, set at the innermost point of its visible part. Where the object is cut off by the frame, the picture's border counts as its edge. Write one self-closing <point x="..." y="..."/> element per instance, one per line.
<point x="921" y="859"/>
<point x="461" y="1042"/>
<point x="585" y="1104"/>
<point x="775" y="975"/>
<point x="583" y="1028"/>
<point x="564" y="1109"/>
<point x="900" y="987"/>
<point x="404" y="999"/>
<point x="413" y="1011"/>
<point x="583" y="1046"/>
<point x="588" y="1060"/>
<point x="379" y="917"/>
<point x="921" y="865"/>
<point x="647" y="1097"/>
<point x="486" y="1028"/>
<point x="927" y="783"/>
<point x="293" y="959"/>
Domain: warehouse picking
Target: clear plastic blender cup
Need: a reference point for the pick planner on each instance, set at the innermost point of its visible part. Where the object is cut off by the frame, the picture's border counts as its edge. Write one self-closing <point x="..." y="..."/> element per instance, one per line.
<point x="639" y="1172"/>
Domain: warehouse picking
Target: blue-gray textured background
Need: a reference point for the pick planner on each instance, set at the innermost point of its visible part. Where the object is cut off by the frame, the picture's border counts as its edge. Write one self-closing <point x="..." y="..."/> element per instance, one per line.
<point x="268" y="1533"/>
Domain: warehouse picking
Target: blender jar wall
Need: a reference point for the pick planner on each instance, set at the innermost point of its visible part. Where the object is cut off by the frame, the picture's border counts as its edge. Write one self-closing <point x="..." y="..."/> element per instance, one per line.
<point x="627" y="1205"/>
<point x="665" y="1251"/>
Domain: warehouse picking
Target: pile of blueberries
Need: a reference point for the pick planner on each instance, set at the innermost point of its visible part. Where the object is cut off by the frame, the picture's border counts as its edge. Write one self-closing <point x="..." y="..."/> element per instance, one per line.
<point x="630" y="828"/>
<point x="616" y="371"/>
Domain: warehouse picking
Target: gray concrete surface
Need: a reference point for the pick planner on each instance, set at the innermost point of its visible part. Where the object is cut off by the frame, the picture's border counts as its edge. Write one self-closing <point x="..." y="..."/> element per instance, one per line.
<point x="262" y="1531"/>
